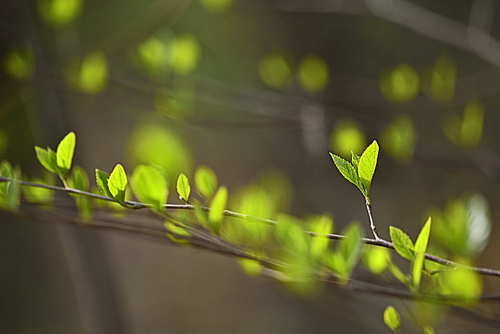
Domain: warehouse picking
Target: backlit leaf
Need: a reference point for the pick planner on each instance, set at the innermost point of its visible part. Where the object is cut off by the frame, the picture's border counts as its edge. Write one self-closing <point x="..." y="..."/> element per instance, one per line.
<point x="217" y="207"/>
<point x="102" y="182"/>
<point x="402" y="243"/>
<point x="206" y="181"/>
<point x="367" y="165"/>
<point x="47" y="159"/>
<point x="64" y="153"/>
<point x="347" y="170"/>
<point x="117" y="184"/>
<point x="420" y="249"/>
<point x="149" y="186"/>
<point x="183" y="187"/>
<point x="392" y="318"/>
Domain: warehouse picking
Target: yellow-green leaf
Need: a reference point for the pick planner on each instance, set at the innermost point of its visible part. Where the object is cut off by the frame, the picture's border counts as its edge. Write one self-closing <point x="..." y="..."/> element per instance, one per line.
<point x="117" y="184"/>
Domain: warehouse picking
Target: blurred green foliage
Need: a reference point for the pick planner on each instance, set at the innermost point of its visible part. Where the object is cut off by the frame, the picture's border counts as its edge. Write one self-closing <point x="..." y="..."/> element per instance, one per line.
<point x="399" y="138"/>
<point x="90" y="74"/>
<point x="59" y="13"/>
<point x="439" y="81"/>
<point x="152" y="142"/>
<point x="347" y="136"/>
<point x="400" y="84"/>
<point x="217" y="6"/>
<point x="275" y="70"/>
<point x="466" y="132"/>
<point x="19" y="63"/>
<point x="313" y="73"/>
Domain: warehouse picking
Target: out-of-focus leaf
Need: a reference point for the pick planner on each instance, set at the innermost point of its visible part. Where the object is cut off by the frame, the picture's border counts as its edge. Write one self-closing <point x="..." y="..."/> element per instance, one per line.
<point x="401" y="84"/>
<point x="19" y="63"/>
<point x="149" y="186"/>
<point x="462" y="284"/>
<point x="206" y="181"/>
<point x="80" y="180"/>
<point x="91" y="74"/>
<point x="58" y="13"/>
<point x="392" y="318"/>
<point x="185" y="54"/>
<point x="320" y="224"/>
<point x="347" y="137"/>
<point x="466" y="132"/>
<point x="217" y="6"/>
<point x="217" y="207"/>
<point x="153" y="143"/>
<point x="275" y="70"/>
<point x="398" y="139"/>
<point x="375" y="259"/>
<point x="313" y="74"/>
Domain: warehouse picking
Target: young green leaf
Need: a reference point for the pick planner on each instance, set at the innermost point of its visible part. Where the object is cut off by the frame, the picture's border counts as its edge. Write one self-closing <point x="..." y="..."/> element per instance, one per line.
<point x="367" y="165"/>
<point x="149" y="186"/>
<point x="47" y="159"/>
<point x="420" y="248"/>
<point x="402" y="243"/>
<point x="392" y="318"/>
<point x="217" y="207"/>
<point x="183" y="187"/>
<point x="117" y="184"/>
<point x="347" y="170"/>
<point x="206" y="181"/>
<point x="102" y="178"/>
<point x="64" y="153"/>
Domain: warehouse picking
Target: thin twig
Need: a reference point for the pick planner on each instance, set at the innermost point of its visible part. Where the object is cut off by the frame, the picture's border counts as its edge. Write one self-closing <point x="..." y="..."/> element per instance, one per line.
<point x="376" y="242"/>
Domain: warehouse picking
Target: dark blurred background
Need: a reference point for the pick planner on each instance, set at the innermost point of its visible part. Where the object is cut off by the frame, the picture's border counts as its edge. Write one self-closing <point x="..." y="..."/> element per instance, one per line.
<point x="245" y="87"/>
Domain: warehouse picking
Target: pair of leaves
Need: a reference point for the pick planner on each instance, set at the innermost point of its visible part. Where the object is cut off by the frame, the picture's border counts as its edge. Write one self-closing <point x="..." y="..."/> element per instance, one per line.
<point x="113" y="185"/>
<point x="360" y="171"/>
<point x="415" y="253"/>
<point x="58" y="162"/>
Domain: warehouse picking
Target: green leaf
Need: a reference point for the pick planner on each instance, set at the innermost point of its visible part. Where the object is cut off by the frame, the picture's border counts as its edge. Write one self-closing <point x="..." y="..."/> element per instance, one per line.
<point x="347" y="170"/>
<point x="117" y="184"/>
<point x="47" y="159"/>
<point x="102" y="178"/>
<point x="402" y="243"/>
<point x="392" y="318"/>
<point x="375" y="258"/>
<point x="420" y="248"/>
<point x="79" y="180"/>
<point x="206" y="181"/>
<point x="64" y="153"/>
<point x="183" y="187"/>
<point x="201" y="215"/>
<point x="367" y="165"/>
<point x="5" y="171"/>
<point x="217" y="207"/>
<point x="149" y="186"/>
<point x="351" y="247"/>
